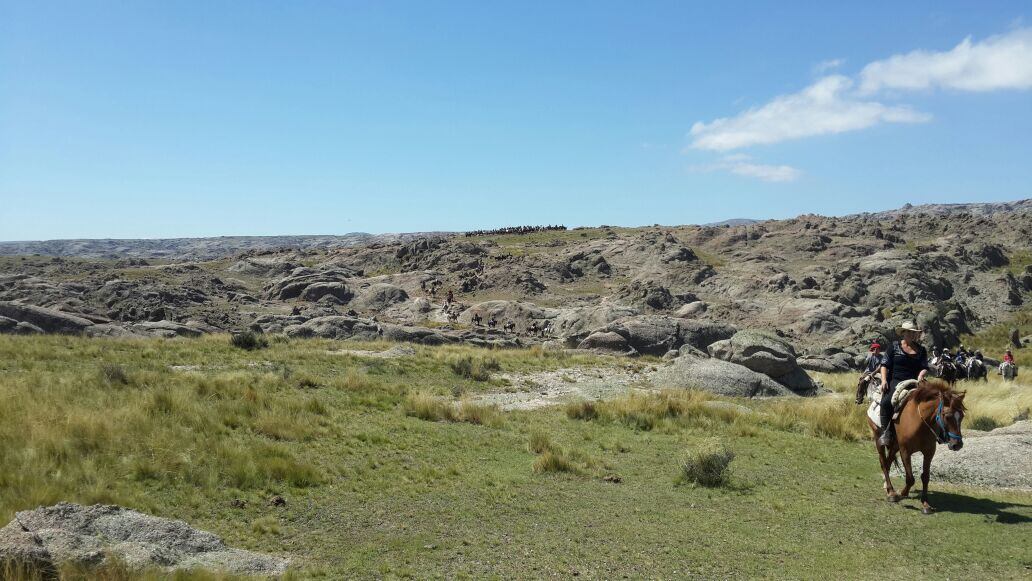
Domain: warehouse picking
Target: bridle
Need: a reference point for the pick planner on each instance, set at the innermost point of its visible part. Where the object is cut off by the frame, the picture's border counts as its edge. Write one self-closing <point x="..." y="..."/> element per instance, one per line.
<point x="942" y="434"/>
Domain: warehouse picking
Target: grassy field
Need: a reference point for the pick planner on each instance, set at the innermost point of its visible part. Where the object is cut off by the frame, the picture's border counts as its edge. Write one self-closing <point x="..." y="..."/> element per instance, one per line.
<point x="390" y="470"/>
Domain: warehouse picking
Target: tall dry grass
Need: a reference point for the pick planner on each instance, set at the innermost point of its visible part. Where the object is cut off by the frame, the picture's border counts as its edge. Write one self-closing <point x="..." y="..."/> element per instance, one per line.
<point x="104" y="436"/>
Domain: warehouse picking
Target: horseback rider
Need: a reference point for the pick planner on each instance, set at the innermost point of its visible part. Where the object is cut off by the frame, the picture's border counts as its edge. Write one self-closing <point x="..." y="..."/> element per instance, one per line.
<point x="905" y="359"/>
<point x="1008" y="357"/>
<point x="874" y="359"/>
<point x="872" y="365"/>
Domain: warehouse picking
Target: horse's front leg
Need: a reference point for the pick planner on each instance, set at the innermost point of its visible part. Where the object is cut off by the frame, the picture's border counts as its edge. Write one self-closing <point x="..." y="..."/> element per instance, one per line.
<point x="925" y="473"/>
<point x="909" y="470"/>
<point x="884" y="460"/>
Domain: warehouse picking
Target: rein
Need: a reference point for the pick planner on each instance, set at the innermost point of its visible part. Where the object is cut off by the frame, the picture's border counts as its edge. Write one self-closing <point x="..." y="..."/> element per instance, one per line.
<point x="943" y="434"/>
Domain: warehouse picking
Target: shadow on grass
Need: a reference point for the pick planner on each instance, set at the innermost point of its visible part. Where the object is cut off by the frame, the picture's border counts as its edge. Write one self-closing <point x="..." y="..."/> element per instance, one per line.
<point x="994" y="509"/>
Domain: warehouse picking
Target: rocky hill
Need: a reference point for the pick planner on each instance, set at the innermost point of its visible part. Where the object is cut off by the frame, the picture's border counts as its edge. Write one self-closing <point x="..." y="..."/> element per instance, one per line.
<point x="825" y="285"/>
<point x="182" y="249"/>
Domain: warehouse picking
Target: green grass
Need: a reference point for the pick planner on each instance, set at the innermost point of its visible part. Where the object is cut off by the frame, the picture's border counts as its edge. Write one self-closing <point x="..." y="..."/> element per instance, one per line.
<point x="1019" y="259"/>
<point x="374" y="492"/>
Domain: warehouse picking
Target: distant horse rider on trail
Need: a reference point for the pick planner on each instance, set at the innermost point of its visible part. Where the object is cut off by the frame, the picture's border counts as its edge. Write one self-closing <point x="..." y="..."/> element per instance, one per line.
<point x="872" y="367"/>
<point x="905" y="359"/>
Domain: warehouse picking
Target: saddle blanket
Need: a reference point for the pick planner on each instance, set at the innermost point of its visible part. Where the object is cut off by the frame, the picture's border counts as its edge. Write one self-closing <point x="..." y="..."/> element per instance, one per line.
<point x="899" y="400"/>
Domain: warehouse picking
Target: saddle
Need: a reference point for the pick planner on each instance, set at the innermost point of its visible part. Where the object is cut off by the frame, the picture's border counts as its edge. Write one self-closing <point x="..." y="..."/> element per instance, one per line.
<point x="900" y="398"/>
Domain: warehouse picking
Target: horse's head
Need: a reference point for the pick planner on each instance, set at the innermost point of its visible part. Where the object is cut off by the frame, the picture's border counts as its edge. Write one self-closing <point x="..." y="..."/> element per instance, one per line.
<point x="949" y="411"/>
<point x="950" y="418"/>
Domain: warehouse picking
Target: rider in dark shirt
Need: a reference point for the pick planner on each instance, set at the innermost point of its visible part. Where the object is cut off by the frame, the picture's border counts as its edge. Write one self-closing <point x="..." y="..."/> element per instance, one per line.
<point x="899" y="365"/>
<point x="874" y="359"/>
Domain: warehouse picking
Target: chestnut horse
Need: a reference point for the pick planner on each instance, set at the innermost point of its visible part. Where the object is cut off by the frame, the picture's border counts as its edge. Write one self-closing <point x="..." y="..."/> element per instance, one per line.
<point x="931" y="415"/>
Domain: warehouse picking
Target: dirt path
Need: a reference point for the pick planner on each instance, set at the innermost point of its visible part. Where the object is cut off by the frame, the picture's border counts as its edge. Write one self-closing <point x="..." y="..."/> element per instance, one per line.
<point x="529" y="391"/>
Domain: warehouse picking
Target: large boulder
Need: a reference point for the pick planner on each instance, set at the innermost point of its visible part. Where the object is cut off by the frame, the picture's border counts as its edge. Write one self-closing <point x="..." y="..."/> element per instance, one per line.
<point x="318" y="290"/>
<point x="606" y="341"/>
<point x="701" y="334"/>
<point x="330" y="279"/>
<point x="48" y="320"/>
<point x="717" y="376"/>
<point x="379" y="296"/>
<point x="658" y="334"/>
<point x="577" y="323"/>
<point x="765" y="354"/>
<point x="762" y="353"/>
<point x="48" y="537"/>
<point x="336" y="327"/>
<point x="692" y="309"/>
<point x="166" y="329"/>
<point x="837" y="363"/>
<point x="649" y="334"/>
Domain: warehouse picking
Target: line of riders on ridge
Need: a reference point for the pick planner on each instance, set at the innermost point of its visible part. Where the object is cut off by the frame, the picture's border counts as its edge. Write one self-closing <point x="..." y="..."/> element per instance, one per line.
<point x="906" y="359"/>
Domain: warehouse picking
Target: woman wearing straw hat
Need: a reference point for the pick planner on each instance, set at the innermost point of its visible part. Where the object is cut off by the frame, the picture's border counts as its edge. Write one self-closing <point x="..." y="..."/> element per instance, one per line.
<point x="905" y="359"/>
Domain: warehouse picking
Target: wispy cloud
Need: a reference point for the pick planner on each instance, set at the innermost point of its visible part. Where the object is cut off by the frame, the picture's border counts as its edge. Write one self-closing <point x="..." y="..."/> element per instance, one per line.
<point x="742" y="165"/>
<point x="825" y="107"/>
<point x="828" y="65"/>
<point x="838" y="103"/>
<point x="998" y="62"/>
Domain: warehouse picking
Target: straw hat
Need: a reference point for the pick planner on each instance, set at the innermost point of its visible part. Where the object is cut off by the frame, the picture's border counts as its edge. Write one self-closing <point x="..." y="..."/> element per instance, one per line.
<point x="909" y="326"/>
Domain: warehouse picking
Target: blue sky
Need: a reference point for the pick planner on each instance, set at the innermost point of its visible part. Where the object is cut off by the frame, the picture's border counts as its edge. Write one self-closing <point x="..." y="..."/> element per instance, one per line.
<point x="165" y="119"/>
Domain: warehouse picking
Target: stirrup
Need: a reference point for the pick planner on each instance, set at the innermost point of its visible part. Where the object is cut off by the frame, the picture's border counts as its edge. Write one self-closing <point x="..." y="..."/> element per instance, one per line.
<point x="886" y="437"/>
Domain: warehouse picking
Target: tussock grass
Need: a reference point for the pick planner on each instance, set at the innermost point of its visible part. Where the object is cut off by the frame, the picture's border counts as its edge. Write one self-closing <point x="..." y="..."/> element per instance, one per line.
<point x="475" y="368"/>
<point x="249" y="341"/>
<point x="552" y="457"/>
<point x="69" y="436"/>
<point x="706" y="465"/>
<point x="555" y="461"/>
<point x="426" y="406"/>
<point x="827" y="417"/>
<point x="647" y="411"/>
<point x="114" y="374"/>
<point x="983" y="423"/>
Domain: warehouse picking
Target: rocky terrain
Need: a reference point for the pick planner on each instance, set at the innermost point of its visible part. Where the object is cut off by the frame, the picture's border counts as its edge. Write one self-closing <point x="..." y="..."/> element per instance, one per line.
<point x="47" y="537"/>
<point x="185" y="249"/>
<point x="804" y="293"/>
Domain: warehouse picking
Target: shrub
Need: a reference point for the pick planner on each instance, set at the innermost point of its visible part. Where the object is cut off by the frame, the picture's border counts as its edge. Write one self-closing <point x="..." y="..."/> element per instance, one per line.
<point x="248" y="340"/>
<point x="114" y="374"/>
<point x="477" y="369"/>
<point x="984" y="423"/>
<point x="707" y="465"/>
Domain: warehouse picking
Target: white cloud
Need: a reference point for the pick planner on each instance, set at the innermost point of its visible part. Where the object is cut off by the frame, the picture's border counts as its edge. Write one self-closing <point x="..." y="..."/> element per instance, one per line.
<point x="828" y="65"/>
<point x="767" y="173"/>
<point x="741" y="164"/>
<point x="998" y="62"/>
<point x="825" y="107"/>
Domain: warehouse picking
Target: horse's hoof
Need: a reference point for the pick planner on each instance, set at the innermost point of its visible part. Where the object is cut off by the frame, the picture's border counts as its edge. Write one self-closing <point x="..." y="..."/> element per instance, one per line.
<point x="927" y="510"/>
<point x="893" y="498"/>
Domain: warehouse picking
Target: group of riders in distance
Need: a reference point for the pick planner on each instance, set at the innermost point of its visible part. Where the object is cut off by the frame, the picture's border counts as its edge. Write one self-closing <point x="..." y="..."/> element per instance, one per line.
<point x="515" y="230"/>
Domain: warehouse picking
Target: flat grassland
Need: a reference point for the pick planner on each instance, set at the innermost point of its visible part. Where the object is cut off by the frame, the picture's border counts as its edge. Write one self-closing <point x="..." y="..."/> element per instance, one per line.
<point x="390" y="469"/>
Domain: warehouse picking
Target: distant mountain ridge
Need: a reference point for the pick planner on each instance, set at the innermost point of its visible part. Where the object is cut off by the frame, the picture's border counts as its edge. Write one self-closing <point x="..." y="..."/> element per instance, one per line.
<point x="195" y="248"/>
<point x="974" y="209"/>
<point x="186" y="249"/>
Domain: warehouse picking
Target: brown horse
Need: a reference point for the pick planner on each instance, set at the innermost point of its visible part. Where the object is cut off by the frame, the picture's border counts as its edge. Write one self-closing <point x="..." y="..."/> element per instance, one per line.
<point x="947" y="371"/>
<point x="932" y="414"/>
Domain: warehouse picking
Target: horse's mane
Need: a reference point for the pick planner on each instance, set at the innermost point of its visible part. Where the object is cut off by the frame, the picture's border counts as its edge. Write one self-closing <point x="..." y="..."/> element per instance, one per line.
<point x="933" y="388"/>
